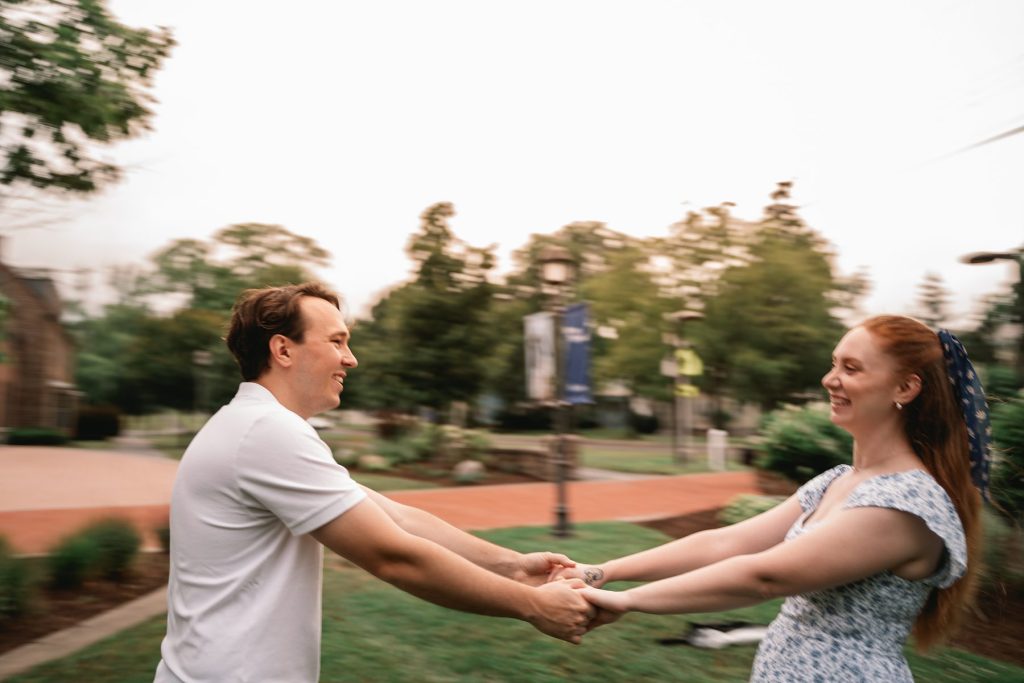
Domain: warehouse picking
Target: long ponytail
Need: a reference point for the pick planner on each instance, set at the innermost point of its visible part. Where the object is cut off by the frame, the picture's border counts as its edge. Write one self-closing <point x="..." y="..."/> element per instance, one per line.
<point x="936" y="430"/>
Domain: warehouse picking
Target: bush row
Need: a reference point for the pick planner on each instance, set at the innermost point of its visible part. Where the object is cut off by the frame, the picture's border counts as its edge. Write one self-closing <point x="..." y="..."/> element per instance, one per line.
<point x="104" y="550"/>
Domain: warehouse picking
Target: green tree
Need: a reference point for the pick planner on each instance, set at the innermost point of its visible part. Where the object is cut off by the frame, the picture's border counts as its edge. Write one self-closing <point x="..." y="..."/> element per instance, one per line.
<point x="210" y="274"/>
<point x="71" y="78"/>
<point x="159" y="368"/>
<point x="626" y="302"/>
<point x="767" y="335"/>
<point x="140" y="361"/>
<point x="428" y="342"/>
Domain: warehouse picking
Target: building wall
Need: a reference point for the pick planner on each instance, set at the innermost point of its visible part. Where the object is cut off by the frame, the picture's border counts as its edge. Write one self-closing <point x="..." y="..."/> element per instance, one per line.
<point x="37" y="369"/>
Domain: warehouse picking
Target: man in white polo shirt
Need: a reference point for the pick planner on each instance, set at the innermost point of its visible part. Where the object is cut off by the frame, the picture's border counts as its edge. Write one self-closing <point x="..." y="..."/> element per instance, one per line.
<point x="258" y="494"/>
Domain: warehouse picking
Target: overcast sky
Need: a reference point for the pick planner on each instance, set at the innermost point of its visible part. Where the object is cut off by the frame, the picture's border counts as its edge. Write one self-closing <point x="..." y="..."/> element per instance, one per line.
<point x="344" y="120"/>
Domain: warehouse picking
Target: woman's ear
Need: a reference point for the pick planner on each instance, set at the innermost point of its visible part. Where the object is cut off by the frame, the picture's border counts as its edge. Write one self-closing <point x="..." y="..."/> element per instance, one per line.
<point x="909" y="388"/>
<point x="280" y="350"/>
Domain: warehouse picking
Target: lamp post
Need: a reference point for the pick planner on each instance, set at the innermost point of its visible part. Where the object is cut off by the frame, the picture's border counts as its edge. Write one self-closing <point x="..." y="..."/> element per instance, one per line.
<point x="201" y="361"/>
<point x="556" y="272"/>
<point x="1018" y="257"/>
<point x="682" y="407"/>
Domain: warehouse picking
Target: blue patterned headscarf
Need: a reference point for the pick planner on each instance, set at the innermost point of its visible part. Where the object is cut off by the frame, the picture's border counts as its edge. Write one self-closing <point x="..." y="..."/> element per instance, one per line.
<point x="967" y="389"/>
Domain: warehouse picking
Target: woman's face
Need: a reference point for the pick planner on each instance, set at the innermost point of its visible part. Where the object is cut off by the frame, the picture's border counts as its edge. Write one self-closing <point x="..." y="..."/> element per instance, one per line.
<point x="863" y="384"/>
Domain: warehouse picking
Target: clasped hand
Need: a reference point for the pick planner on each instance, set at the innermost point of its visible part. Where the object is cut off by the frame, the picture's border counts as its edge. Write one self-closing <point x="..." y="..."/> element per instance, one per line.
<point x="608" y="606"/>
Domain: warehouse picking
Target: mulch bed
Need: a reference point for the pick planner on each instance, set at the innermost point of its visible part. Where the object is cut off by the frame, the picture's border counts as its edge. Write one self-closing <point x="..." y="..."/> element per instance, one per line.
<point x="52" y="610"/>
<point x="440" y="477"/>
<point x="994" y="629"/>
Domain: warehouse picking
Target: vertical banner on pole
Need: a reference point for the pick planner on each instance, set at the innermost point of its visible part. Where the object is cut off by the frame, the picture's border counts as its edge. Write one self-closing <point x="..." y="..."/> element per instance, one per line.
<point x="539" y="345"/>
<point x="577" y="354"/>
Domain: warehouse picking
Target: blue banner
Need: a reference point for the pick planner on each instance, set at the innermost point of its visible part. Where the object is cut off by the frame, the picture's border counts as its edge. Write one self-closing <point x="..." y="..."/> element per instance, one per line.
<point x="577" y="354"/>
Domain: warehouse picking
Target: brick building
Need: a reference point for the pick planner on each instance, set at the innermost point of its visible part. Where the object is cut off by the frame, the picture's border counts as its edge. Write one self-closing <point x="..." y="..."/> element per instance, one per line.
<point x="37" y="354"/>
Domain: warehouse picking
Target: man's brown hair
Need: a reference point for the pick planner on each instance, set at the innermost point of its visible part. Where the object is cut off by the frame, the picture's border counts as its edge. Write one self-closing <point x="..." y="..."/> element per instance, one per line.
<point x="259" y="314"/>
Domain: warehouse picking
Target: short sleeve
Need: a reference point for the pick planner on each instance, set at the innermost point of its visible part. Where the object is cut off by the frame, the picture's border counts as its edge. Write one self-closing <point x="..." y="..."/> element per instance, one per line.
<point x="919" y="494"/>
<point x="284" y="466"/>
<point x="811" y="492"/>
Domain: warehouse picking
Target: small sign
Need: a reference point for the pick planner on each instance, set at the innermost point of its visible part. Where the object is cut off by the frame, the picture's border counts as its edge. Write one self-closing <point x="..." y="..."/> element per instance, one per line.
<point x="687" y="391"/>
<point x="689" y="362"/>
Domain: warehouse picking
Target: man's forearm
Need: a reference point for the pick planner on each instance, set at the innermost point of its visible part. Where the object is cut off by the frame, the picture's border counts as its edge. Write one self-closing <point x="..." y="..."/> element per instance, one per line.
<point x="495" y="558"/>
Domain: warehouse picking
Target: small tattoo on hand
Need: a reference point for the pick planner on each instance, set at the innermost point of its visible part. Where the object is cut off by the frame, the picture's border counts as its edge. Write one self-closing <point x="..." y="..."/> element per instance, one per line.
<point x="591" y="575"/>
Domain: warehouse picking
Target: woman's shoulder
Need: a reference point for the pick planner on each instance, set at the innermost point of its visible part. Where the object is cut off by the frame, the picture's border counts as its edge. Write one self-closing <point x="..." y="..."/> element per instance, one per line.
<point x="918" y="493"/>
<point x="811" y="492"/>
<point x="909" y="488"/>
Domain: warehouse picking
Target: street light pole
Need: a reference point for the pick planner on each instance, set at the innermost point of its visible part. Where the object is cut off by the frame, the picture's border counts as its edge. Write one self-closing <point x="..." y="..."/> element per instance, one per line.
<point x="682" y="422"/>
<point x="1017" y="257"/>
<point x="556" y="271"/>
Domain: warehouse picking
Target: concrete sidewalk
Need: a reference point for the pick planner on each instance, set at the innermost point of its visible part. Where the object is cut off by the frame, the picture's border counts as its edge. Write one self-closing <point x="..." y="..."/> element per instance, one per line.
<point x="47" y="492"/>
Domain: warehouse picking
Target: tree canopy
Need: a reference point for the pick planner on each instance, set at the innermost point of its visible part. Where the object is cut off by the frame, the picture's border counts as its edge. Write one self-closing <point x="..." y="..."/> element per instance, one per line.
<point x="71" y="78"/>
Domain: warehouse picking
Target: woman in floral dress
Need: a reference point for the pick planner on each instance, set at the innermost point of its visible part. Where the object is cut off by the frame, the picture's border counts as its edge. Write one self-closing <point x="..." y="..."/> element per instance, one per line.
<point x="864" y="554"/>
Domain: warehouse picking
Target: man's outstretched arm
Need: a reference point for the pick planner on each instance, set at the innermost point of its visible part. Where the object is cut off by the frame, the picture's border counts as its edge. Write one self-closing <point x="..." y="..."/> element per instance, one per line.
<point x="366" y="536"/>
<point x="529" y="568"/>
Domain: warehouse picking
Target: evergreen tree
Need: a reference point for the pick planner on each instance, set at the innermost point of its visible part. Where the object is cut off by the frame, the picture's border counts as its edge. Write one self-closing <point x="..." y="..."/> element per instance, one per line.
<point x="768" y="333"/>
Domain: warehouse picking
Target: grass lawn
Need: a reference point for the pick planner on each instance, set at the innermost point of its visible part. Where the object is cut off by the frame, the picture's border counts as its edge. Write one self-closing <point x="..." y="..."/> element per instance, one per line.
<point x="644" y="460"/>
<point x="373" y="632"/>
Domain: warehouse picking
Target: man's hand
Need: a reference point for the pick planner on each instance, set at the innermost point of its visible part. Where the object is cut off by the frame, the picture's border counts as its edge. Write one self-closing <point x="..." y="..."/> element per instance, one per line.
<point x="560" y="610"/>
<point x="591" y="574"/>
<point x="535" y="569"/>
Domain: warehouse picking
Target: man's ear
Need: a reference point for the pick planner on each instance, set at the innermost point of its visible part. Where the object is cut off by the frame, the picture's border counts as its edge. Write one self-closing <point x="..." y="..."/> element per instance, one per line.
<point x="280" y="350"/>
<point x="909" y="388"/>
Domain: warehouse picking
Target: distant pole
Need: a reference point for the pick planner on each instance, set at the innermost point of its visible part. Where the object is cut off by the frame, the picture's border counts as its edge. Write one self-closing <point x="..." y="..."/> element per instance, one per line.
<point x="557" y="271"/>
<point x="682" y="409"/>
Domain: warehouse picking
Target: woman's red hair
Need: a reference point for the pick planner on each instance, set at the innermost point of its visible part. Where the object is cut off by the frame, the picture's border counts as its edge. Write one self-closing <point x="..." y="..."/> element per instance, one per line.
<point x="937" y="432"/>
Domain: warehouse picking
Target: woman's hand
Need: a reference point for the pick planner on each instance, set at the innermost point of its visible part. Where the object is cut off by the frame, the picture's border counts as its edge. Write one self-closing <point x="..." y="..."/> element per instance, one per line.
<point x="591" y="574"/>
<point x="611" y="605"/>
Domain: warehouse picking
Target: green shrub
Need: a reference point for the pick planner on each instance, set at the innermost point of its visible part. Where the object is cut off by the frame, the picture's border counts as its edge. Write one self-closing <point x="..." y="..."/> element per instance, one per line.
<point x="117" y="544"/>
<point x="105" y="549"/>
<point x="1003" y="552"/>
<point x="36" y="436"/>
<point x="396" y="452"/>
<point x="95" y="423"/>
<point x="1008" y="448"/>
<point x="800" y="443"/>
<point x="346" y="457"/>
<point x="73" y="561"/>
<point x="643" y="424"/>
<point x="747" y="505"/>
<point x="445" y="443"/>
<point x="14" y="587"/>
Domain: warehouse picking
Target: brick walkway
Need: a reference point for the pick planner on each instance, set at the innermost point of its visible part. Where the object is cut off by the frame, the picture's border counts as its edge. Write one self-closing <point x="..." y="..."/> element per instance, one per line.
<point x="48" y="493"/>
<point x="491" y="507"/>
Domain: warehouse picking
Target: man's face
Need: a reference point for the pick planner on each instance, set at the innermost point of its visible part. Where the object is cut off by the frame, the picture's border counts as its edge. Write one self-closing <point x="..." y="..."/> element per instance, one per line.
<point x="322" y="358"/>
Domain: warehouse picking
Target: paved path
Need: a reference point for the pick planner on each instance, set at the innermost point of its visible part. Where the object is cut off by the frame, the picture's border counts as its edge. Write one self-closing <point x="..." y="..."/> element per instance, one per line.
<point x="491" y="507"/>
<point x="49" y="493"/>
<point x="46" y="493"/>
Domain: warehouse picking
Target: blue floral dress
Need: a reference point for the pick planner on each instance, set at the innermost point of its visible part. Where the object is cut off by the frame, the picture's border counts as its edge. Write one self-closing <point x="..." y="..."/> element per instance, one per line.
<point x="856" y="632"/>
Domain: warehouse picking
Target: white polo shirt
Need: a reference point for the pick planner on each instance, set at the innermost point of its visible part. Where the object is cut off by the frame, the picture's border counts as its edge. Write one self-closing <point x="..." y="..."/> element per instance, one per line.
<point x="244" y="601"/>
